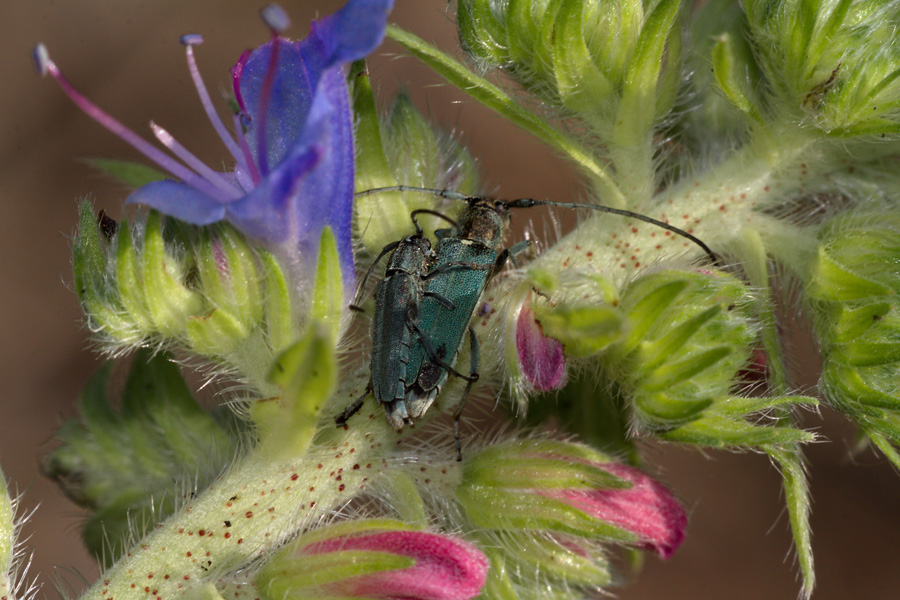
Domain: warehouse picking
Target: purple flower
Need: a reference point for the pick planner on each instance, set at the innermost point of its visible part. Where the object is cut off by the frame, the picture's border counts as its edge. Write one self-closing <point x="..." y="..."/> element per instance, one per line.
<point x="292" y="141"/>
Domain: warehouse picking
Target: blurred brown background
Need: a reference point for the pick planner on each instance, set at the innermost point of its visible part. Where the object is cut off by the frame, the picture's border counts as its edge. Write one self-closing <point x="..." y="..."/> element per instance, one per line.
<point x="126" y="57"/>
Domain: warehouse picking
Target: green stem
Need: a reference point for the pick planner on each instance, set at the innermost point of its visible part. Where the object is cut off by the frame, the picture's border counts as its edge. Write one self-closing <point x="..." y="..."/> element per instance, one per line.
<point x="751" y="253"/>
<point x="717" y="204"/>
<point x="635" y="172"/>
<point x="493" y="97"/>
<point x="253" y="508"/>
<point x="790" y="246"/>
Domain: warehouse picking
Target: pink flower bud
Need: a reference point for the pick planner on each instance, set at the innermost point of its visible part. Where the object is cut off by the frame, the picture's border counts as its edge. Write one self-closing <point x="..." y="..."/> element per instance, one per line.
<point x="541" y="359"/>
<point x="376" y="559"/>
<point x="647" y="508"/>
<point x="571" y="489"/>
<point x="445" y="568"/>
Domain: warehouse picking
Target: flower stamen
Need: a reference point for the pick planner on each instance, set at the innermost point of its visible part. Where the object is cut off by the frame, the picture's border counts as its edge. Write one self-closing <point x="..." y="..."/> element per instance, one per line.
<point x="275" y="18"/>
<point x="166" y="139"/>
<point x="46" y="66"/>
<point x="189" y="41"/>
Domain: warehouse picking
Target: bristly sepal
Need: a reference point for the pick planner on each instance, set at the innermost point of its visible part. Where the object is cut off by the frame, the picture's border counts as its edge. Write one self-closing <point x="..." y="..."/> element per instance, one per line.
<point x="853" y="292"/>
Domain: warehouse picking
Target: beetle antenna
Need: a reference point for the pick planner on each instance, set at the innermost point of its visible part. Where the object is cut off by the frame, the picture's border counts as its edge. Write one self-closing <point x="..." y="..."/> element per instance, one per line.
<point x="530" y="202"/>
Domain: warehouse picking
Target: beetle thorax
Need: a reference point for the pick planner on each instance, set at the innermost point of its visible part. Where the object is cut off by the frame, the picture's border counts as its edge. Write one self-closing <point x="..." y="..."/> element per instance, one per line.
<point x="485" y="222"/>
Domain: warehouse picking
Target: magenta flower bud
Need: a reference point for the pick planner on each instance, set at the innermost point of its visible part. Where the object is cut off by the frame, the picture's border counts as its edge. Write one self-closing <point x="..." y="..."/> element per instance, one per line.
<point x="377" y="559"/>
<point x="540" y="358"/>
<point x="565" y="488"/>
<point x="647" y="509"/>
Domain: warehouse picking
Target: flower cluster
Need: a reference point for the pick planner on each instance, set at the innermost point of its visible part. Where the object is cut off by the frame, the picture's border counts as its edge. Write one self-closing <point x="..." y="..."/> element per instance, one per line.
<point x="643" y="321"/>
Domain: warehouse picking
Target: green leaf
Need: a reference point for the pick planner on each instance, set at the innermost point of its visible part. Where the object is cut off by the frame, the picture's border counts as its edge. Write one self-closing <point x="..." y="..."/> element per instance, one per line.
<point x="742" y="406"/>
<point x="131" y="467"/>
<point x="481" y="33"/>
<point x="721" y="432"/>
<point x="372" y="169"/>
<point x="641" y="95"/>
<point x="130" y="282"/>
<point x="169" y="301"/>
<point x="583" y="88"/>
<point x="328" y="292"/>
<point x="132" y="174"/>
<point x="279" y="317"/>
<point x="723" y="62"/>
<point x="796" y="492"/>
<point x="653" y="354"/>
<point x="88" y="256"/>
<point x="673" y="373"/>
<point x="496" y="99"/>
<point x="583" y="330"/>
<point x="307" y="374"/>
<point x="662" y="409"/>
<point x="645" y="313"/>
<point x="289" y="576"/>
<point x="7" y="528"/>
<point x="543" y="473"/>
<point x="215" y="334"/>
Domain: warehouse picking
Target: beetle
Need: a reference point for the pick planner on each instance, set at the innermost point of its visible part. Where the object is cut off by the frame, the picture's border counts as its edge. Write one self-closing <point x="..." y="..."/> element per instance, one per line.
<point x="424" y="304"/>
<point x="395" y="322"/>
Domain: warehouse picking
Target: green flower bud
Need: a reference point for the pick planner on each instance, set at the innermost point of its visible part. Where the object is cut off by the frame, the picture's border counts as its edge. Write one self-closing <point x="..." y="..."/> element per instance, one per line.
<point x="503" y="487"/>
<point x="819" y="57"/>
<point x="690" y="336"/>
<point x="231" y="281"/>
<point x="162" y="282"/>
<point x="584" y="329"/>
<point x="402" y="148"/>
<point x="607" y="62"/>
<point x="690" y="333"/>
<point x="854" y="291"/>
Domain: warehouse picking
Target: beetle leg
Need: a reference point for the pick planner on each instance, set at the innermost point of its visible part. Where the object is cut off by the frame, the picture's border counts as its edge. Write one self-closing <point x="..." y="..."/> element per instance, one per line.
<point x="474" y="360"/>
<point x="433" y="357"/>
<point x="454" y="265"/>
<point x="362" y="286"/>
<point x="510" y="255"/>
<point x="445" y="302"/>
<point x="434" y="213"/>
<point x="351" y="410"/>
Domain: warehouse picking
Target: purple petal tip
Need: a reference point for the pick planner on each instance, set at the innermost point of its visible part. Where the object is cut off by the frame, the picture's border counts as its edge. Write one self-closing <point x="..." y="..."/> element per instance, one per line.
<point x="191" y="39"/>
<point x="275" y="18"/>
<point x="41" y="59"/>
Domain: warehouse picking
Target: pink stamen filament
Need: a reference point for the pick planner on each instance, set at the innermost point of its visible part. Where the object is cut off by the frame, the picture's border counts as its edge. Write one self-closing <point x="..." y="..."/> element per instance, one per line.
<point x="205" y="99"/>
<point x="245" y="149"/>
<point x="134" y="140"/>
<point x="166" y="139"/>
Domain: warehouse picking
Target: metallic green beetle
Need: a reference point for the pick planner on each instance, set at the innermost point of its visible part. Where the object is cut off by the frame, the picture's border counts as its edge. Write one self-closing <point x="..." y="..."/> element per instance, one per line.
<point x="424" y="304"/>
